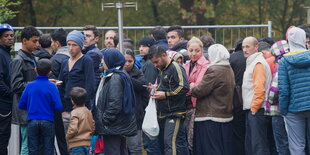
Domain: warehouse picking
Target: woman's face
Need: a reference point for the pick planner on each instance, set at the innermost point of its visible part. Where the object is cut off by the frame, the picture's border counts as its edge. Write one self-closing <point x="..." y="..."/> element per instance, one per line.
<point x="129" y="63"/>
<point x="105" y="67"/>
<point x="194" y="52"/>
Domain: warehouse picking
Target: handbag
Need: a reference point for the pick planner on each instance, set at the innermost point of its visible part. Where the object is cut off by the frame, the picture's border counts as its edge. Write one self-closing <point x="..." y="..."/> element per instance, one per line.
<point x="150" y="123"/>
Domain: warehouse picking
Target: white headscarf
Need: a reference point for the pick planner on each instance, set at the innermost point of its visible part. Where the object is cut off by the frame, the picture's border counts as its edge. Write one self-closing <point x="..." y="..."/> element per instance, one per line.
<point x="218" y="55"/>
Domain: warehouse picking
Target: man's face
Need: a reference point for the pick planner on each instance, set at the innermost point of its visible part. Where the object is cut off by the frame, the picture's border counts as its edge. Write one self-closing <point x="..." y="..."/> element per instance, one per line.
<point x="73" y="48"/>
<point x="173" y="38"/>
<point x="144" y="50"/>
<point x="32" y="44"/>
<point x="249" y="47"/>
<point x="7" y="39"/>
<point x="109" y="39"/>
<point x="54" y="45"/>
<point x="308" y="42"/>
<point x="90" y="38"/>
<point x="159" y="62"/>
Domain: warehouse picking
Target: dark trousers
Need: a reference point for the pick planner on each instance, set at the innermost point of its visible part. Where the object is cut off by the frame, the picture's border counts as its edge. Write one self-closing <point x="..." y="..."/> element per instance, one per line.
<point x="115" y="145"/>
<point x="60" y="134"/>
<point x="41" y="131"/>
<point x="213" y="138"/>
<point x="5" y="130"/>
<point x="172" y="136"/>
<point x="238" y="127"/>
<point x="280" y="135"/>
<point x="257" y="138"/>
<point x="152" y="147"/>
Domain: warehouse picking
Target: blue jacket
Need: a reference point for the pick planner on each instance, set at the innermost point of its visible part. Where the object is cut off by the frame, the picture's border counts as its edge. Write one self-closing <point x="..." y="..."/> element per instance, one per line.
<point x="294" y="82"/>
<point x="162" y="43"/>
<point x="40" y="98"/>
<point x="81" y="75"/>
<point x="6" y="94"/>
<point x="93" y="52"/>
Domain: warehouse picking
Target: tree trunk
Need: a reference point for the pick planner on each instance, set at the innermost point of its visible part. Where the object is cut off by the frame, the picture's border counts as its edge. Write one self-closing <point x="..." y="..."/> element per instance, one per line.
<point x="32" y="13"/>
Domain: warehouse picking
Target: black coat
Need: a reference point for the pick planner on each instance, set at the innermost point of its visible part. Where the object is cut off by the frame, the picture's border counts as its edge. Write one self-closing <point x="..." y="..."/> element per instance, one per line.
<point x="22" y="72"/>
<point x="141" y="94"/>
<point x="108" y="115"/>
<point x="238" y="63"/>
<point x="6" y="95"/>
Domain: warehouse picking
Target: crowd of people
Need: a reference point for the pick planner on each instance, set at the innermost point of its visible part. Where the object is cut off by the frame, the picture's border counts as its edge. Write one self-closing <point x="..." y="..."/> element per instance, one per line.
<point x="209" y="100"/>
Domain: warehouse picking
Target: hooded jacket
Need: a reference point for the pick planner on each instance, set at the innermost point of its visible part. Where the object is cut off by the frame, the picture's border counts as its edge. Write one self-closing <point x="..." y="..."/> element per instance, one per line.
<point x="181" y="47"/>
<point x="294" y="75"/>
<point x="61" y="55"/>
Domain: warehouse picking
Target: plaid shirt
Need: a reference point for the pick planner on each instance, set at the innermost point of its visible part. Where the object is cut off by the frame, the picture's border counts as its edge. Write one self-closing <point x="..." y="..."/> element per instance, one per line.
<point x="272" y="102"/>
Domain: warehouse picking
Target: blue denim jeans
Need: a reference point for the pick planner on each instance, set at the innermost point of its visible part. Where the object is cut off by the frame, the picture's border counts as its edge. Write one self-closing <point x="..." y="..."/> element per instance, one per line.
<point x="257" y="139"/>
<point x="280" y="135"/>
<point x="152" y="147"/>
<point x="80" y="150"/>
<point x="41" y="131"/>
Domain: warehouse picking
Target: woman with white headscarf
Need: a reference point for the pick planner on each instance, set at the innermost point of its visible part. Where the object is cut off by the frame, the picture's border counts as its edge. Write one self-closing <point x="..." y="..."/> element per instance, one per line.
<point x="212" y="128"/>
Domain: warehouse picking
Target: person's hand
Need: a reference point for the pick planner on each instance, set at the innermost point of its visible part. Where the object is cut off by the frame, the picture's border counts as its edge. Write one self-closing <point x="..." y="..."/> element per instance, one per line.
<point x="53" y="80"/>
<point x="64" y="113"/>
<point x="56" y="82"/>
<point x="191" y="85"/>
<point x="159" y="95"/>
<point x="151" y="86"/>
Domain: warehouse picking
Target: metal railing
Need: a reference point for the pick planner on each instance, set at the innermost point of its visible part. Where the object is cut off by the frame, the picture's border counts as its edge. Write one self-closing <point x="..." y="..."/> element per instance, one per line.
<point x="222" y="34"/>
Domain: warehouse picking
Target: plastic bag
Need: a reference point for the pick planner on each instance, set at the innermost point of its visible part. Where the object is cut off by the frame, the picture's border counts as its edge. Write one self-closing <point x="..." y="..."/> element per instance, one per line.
<point x="150" y="124"/>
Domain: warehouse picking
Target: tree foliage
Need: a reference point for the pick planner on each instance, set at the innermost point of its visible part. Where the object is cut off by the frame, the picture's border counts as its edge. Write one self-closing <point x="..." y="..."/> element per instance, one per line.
<point x="6" y="12"/>
<point x="282" y="13"/>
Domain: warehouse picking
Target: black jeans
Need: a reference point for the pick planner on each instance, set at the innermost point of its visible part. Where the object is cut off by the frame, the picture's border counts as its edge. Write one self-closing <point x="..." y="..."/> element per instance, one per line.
<point x="5" y="130"/>
<point x="60" y="134"/>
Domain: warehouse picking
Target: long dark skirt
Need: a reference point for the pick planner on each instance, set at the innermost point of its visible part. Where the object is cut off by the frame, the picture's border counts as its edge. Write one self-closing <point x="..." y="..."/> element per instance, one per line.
<point x="213" y="138"/>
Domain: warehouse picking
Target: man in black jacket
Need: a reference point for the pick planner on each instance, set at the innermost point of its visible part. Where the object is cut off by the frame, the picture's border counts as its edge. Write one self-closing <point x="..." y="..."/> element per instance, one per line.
<point x="22" y="72"/>
<point x="238" y="63"/>
<point x="59" y="45"/>
<point x="170" y="102"/>
<point x="6" y="95"/>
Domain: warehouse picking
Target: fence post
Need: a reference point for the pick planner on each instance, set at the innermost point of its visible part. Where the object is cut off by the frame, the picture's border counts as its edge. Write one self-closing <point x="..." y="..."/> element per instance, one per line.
<point x="270" y="29"/>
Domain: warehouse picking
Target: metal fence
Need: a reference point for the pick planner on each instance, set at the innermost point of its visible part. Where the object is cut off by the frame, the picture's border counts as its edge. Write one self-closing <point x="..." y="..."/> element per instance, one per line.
<point x="222" y="34"/>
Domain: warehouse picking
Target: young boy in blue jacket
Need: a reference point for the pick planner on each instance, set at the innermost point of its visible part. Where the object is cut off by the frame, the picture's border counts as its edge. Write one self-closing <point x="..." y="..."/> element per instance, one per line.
<point x="41" y="98"/>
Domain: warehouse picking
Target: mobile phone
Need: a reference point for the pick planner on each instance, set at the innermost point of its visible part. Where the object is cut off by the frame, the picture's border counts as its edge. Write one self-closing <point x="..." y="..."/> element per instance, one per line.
<point x="58" y="82"/>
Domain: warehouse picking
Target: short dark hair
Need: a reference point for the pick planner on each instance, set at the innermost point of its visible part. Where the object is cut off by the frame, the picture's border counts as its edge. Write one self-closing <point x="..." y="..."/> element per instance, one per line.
<point x="45" y="40"/>
<point x="2" y="31"/>
<point x="92" y="28"/>
<point x="156" y="51"/>
<point x="61" y="36"/>
<point x="44" y="67"/>
<point x="159" y="33"/>
<point x="128" y="44"/>
<point x="178" y="29"/>
<point x="306" y="29"/>
<point x="263" y="46"/>
<point x="267" y="40"/>
<point x="78" y="96"/>
<point x="28" y="32"/>
<point x="131" y="53"/>
<point x="207" y="40"/>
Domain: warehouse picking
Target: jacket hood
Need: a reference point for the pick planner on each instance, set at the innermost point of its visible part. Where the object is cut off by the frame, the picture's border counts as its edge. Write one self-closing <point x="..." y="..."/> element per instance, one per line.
<point x="297" y="39"/>
<point x="63" y="50"/>
<point x="180" y="45"/>
<point x="299" y="60"/>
